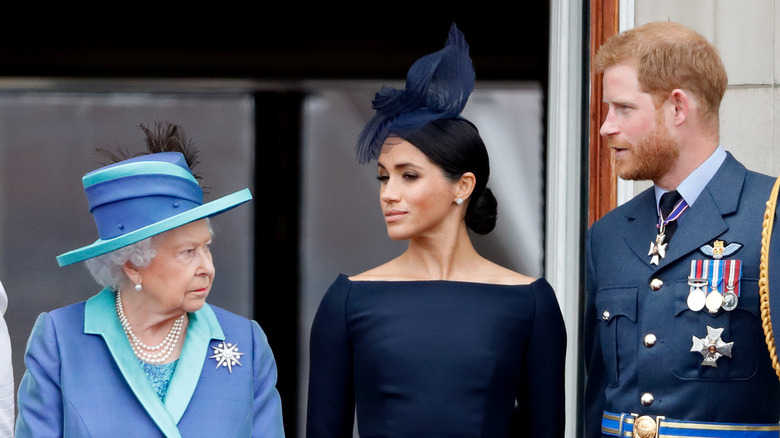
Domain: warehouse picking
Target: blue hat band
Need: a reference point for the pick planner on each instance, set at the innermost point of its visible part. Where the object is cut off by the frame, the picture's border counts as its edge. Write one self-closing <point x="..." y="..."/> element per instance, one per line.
<point x="114" y="220"/>
<point x="140" y="186"/>
<point x="128" y="203"/>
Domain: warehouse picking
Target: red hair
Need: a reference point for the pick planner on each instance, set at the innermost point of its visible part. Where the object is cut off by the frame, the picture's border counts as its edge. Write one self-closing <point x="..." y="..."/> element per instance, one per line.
<point x="668" y="56"/>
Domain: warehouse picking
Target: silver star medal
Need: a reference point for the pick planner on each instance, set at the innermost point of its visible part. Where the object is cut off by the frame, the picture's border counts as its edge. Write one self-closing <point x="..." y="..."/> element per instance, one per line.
<point x="712" y="347"/>
<point x="658" y="248"/>
<point x="227" y="355"/>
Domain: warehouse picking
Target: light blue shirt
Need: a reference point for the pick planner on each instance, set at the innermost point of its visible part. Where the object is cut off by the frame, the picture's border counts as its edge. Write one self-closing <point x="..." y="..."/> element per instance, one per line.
<point x="691" y="187"/>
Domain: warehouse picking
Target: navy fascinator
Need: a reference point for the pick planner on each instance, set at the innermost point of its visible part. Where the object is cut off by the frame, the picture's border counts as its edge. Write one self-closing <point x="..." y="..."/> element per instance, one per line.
<point x="438" y="86"/>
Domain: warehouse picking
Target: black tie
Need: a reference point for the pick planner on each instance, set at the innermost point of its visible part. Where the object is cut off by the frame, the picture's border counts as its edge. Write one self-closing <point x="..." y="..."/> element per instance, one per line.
<point x="668" y="201"/>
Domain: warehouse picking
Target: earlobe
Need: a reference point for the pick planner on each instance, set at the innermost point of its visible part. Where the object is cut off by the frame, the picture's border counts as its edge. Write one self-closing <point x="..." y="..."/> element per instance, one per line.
<point x="132" y="273"/>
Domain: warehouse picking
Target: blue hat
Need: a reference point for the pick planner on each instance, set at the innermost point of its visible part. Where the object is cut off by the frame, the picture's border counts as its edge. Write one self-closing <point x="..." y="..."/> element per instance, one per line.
<point x="438" y="85"/>
<point x="143" y="196"/>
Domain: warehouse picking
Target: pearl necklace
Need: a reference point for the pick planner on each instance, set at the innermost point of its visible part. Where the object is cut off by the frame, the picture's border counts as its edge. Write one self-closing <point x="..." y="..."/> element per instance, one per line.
<point x="151" y="354"/>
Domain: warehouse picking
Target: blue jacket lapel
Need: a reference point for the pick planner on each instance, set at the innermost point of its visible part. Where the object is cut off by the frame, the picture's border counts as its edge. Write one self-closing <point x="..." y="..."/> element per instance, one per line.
<point x="703" y="221"/>
<point x="100" y="318"/>
<point x="202" y="328"/>
<point x="642" y="219"/>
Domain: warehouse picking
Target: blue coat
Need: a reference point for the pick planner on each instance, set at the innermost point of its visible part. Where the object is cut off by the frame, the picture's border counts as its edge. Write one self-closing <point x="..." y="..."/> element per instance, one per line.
<point x="83" y="380"/>
<point x="622" y="309"/>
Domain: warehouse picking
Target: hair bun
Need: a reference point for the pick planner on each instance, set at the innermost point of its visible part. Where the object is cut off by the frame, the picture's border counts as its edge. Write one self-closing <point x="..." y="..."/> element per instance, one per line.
<point x="482" y="212"/>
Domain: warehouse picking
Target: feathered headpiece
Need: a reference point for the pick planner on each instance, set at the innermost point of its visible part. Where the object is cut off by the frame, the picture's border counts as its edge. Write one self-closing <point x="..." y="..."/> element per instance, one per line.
<point x="438" y="86"/>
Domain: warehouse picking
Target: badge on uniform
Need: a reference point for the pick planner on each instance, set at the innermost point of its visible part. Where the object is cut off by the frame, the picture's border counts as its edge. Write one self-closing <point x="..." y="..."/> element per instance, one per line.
<point x="719" y="249"/>
<point x="715" y="284"/>
<point x="658" y="248"/>
<point x="712" y="347"/>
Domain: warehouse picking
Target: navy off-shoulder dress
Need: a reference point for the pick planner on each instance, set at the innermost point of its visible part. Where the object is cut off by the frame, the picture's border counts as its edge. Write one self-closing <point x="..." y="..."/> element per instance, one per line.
<point x="437" y="359"/>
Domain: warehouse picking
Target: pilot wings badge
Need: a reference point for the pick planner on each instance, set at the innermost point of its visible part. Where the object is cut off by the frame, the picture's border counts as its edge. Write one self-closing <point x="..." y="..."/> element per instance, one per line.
<point x="719" y="249"/>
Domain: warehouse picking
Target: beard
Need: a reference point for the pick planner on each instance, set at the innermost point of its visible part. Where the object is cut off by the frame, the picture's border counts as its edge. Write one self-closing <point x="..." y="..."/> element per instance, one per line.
<point x="649" y="158"/>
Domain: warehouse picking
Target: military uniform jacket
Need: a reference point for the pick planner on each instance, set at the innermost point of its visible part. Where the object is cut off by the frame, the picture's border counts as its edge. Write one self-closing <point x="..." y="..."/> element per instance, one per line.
<point x="638" y="338"/>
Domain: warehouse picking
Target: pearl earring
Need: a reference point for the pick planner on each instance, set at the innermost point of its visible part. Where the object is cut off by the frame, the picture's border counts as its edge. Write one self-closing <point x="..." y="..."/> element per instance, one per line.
<point x="138" y="287"/>
<point x="459" y="201"/>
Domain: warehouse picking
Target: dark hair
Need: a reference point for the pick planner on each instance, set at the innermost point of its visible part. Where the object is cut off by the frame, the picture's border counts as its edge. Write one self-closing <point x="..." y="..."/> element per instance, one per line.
<point x="456" y="147"/>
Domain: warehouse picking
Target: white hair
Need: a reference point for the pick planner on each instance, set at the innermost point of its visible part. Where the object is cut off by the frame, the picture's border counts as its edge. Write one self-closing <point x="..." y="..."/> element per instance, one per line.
<point x="108" y="269"/>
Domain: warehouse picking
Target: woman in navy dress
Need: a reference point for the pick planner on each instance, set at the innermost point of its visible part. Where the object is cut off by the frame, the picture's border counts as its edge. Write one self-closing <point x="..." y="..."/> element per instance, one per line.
<point x="438" y="342"/>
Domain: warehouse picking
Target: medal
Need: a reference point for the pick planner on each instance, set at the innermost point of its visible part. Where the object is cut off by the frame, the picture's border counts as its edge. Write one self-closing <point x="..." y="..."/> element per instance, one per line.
<point x="696" y="300"/>
<point x="658" y="247"/>
<point x="698" y="282"/>
<point x="714" y="301"/>
<point x="712" y="347"/>
<point x="730" y="301"/>
<point x="714" y="284"/>
<point x="733" y="275"/>
<point x="715" y="298"/>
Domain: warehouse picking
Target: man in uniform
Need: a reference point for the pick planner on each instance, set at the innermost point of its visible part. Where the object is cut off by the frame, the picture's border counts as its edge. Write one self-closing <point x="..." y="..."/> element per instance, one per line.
<point x="674" y="344"/>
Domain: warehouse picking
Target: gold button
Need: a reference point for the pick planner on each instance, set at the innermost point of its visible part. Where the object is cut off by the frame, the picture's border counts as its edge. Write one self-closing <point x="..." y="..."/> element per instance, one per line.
<point x="605" y="315"/>
<point x="650" y="340"/>
<point x="647" y="399"/>
<point x="656" y="283"/>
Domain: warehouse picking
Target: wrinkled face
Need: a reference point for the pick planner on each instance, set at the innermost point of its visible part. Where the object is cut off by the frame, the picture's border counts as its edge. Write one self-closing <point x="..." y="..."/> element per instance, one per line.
<point x="415" y="195"/>
<point x="179" y="277"/>
<point x="635" y="128"/>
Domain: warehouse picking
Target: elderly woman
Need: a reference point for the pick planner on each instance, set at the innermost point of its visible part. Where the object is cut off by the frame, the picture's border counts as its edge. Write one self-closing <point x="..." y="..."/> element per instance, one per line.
<point x="147" y="356"/>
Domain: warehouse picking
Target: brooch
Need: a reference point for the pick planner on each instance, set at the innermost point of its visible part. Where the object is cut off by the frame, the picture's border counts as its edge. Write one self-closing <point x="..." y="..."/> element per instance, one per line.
<point x="227" y="355"/>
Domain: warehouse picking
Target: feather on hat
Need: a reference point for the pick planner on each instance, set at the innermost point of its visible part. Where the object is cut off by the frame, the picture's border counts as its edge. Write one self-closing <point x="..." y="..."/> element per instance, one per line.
<point x="146" y="195"/>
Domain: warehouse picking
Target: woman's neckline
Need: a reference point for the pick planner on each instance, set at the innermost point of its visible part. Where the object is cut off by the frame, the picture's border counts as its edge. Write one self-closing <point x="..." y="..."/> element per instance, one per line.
<point x="479" y="283"/>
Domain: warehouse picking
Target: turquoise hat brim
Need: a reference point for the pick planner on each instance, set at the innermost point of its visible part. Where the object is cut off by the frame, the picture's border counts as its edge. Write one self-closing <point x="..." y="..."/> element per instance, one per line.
<point x="100" y="247"/>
